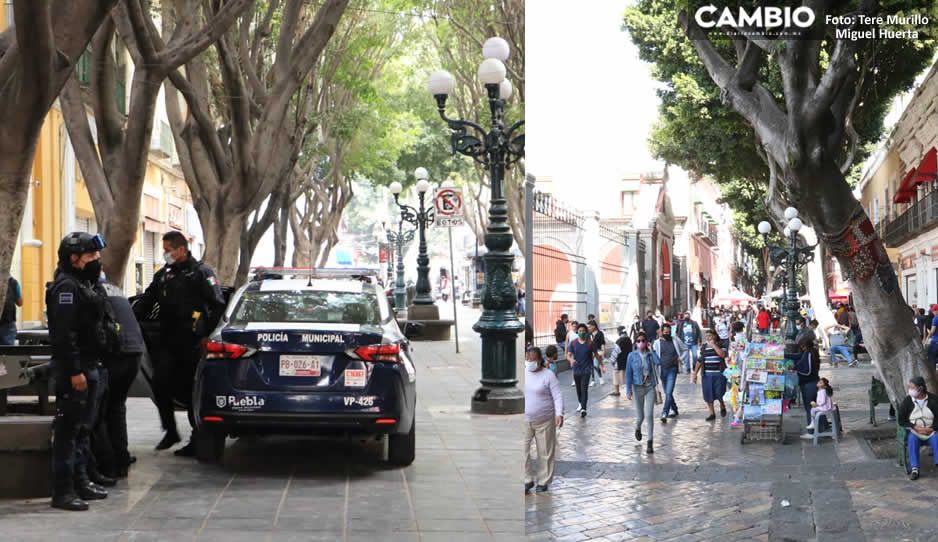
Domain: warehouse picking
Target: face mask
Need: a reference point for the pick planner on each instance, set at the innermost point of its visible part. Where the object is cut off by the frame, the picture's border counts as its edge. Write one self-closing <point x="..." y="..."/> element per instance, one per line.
<point x="530" y="365"/>
<point x="582" y="334"/>
<point x="913" y="392"/>
<point x="92" y="270"/>
<point x="168" y="258"/>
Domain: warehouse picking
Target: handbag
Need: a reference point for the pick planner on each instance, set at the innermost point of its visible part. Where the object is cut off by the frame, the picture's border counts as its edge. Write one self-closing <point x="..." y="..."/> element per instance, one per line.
<point x="658" y="398"/>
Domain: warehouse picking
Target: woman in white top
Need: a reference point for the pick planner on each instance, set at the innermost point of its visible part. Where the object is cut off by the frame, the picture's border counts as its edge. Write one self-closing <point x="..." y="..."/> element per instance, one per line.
<point x="543" y="414"/>
<point x="919" y="414"/>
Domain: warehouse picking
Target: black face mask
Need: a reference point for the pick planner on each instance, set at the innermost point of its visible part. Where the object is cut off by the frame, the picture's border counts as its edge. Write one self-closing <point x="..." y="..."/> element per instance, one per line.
<point x="91" y="271"/>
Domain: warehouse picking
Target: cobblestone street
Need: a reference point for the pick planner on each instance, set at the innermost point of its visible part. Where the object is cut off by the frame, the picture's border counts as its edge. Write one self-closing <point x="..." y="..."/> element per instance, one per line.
<point x="703" y="484"/>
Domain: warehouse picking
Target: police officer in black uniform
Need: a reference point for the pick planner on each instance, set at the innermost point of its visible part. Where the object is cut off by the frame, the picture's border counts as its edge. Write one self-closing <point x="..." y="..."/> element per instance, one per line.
<point x="78" y="331"/>
<point x="190" y="305"/>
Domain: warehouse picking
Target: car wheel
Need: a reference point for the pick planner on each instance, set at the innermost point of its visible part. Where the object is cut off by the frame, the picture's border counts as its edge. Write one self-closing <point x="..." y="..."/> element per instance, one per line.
<point x="209" y="445"/>
<point x="401" y="448"/>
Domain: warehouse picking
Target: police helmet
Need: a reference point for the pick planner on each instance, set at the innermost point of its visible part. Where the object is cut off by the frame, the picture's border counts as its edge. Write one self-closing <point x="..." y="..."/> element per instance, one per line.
<point x="80" y="242"/>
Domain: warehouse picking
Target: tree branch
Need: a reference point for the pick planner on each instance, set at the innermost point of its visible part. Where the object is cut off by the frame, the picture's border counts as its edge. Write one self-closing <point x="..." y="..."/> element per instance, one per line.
<point x="193" y="44"/>
<point x="38" y="57"/>
<point x="79" y="133"/>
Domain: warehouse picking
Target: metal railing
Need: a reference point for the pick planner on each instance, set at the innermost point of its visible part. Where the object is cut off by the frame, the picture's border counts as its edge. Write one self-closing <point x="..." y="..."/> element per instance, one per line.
<point x="919" y="217"/>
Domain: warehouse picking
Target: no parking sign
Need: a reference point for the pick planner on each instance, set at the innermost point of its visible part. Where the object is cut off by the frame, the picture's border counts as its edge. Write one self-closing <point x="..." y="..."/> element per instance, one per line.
<point x="449" y="205"/>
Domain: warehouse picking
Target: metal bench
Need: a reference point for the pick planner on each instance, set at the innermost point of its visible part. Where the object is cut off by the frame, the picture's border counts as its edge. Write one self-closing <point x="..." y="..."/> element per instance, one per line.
<point x="877" y="395"/>
<point x="25" y="366"/>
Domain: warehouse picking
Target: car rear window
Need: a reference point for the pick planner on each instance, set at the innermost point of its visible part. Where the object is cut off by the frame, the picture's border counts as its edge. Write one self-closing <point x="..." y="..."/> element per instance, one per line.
<point x="308" y="307"/>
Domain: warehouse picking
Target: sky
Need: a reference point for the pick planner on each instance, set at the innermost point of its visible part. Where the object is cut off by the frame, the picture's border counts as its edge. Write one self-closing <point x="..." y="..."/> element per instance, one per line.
<point x="590" y="101"/>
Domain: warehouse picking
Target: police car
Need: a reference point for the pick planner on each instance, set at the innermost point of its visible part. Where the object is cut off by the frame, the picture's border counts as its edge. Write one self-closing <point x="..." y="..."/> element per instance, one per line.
<point x="310" y="352"/>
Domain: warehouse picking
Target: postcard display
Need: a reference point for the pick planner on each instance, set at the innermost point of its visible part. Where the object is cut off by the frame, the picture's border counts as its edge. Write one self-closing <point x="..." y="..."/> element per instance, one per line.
<point x="762" y="386"/>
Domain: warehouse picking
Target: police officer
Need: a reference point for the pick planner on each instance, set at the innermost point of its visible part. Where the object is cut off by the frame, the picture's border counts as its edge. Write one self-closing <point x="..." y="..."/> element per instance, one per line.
<point x="77" y="331"/>
<point x="191" y="303"/>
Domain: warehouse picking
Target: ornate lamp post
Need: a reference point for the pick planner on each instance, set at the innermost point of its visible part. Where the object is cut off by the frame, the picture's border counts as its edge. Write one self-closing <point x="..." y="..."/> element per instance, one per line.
<point x="398" y="239"/>
<point x="794" y="258"/>
<point x="421" y="218"/>
<point x="495" y="149"/>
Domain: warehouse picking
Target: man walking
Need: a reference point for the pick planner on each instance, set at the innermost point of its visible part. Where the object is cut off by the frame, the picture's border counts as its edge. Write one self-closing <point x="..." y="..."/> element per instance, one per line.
<point x="79" y="334"/>
<point x="599" y="347"/>
<point x="560" y="332"/>
<point x="689" y="331"/>
<point x="650" y="327"/>
<point x="670" y="350"/>
<point x="191" y="303"/>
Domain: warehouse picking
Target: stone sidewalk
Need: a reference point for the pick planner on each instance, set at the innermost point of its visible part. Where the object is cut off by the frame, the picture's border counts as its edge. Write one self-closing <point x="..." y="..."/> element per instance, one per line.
<point x="463" y="485"/>
<point x="703" y="484"/>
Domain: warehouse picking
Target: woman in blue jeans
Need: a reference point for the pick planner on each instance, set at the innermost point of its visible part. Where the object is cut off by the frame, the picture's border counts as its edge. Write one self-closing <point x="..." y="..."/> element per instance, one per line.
<point x="641" y="382"/>
<point x="918" y="413"/>
<point x="808" y="367"/>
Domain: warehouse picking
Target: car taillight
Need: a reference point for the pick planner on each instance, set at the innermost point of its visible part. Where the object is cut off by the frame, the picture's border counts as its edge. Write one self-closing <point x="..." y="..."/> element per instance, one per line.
<point x="223" y="350"/>
<point x="379" y="352"/>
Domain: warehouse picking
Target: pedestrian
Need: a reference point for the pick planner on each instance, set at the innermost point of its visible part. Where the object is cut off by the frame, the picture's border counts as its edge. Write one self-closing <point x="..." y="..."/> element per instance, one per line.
<point x="689" y="331"/>
<point x="837" y="341"/>
<point x="591" y="318"/>
<point x="921" y="323"/>
<point x="13" y="299"/>
<point x="528" y="333"/>
<point x="122" y="371"/>
<point x="641" y="382"/>
<point x="572" y="326"/>
<point x="931" y="338"/>
<point x="808" y="366"/>
<point x="598" y="339"/>
<point x="650" y="327"/>
<point x="824" y="401"/>
<point x="671" y="352"/>
<point x="560" y="331"/>
<point x="723" y="330"/>
<point x="79" y="335"/>
<point x="620" y="355"/>
<point x="543" y="415"/>
<point x="918" y="413"/>
<point x="551" y="354"/>
<point x="803" y="330"/>
<point x="712" y="363"/>
<point x="191" y="303"/>
<point x="580" y="354"/>
<point x="636" y="328"/>
<point x="763" y="321"/>
<point x="841" y="315"/>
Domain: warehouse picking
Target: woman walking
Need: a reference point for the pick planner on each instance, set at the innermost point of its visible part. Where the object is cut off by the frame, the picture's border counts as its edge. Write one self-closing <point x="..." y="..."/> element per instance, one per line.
<point x="543" y="414"/>
<point x="641" y="376"/>
<point x="580" y="354"/>
<point x="714" y="383"/>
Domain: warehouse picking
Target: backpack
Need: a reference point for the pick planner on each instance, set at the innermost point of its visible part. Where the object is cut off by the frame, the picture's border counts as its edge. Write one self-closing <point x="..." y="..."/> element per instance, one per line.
<point x="9" y="303"/>
<point x="625" y="348"/>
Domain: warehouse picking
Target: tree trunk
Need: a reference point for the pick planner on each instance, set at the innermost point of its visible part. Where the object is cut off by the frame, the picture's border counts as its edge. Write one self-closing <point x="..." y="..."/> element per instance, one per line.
<point x="222" y="229"/>
<point x="15" y="165"/>
<point x="816" y="288"/>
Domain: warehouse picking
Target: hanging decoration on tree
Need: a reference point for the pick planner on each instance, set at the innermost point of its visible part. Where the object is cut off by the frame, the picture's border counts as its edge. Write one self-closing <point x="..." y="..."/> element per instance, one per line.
<point x="861" y="253"/>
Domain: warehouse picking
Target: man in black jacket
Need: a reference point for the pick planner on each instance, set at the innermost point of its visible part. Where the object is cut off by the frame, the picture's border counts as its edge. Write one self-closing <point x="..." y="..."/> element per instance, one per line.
<point x="560" y="333"/>
<point x="79" y="333"/>
<point x="191" y="304"/>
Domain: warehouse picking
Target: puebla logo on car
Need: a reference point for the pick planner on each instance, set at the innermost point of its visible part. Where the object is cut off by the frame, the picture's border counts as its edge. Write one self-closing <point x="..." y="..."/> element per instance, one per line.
<point x="272" y="338"/>
<point x="238" y="402"/>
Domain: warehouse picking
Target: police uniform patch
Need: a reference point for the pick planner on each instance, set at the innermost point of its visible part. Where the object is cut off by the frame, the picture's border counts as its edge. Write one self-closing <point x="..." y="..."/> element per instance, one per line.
<point x="212" y="281"/>
<point x="65" y="298"/>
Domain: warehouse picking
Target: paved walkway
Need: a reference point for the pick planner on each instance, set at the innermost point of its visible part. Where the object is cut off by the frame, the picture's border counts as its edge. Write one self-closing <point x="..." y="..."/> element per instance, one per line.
<point x="462" y="486"/>
<point x="702" y="484"/>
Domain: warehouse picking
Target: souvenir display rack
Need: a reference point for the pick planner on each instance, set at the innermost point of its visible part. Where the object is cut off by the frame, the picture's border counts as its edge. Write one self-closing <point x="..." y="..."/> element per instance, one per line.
<point x="766" y="384"/>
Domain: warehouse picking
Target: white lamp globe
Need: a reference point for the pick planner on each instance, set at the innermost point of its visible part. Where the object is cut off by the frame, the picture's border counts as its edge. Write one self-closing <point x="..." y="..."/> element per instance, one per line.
<point x="496" y="48"/>
<point x="504" y="89"/>
<point x="795" y="224"/>
<point x="448" y="183"/>
<point x="396" y="188"/>
<point x="772" y="269"/>
<point x="790" y="213"/>
<point x="441" y="82"/>
<point x="786" y="232"/>
<point x="764" y="227"/>
<point x="421" y="173"/>
<point x="492" y="71"/>
<point x="423" y="185"/>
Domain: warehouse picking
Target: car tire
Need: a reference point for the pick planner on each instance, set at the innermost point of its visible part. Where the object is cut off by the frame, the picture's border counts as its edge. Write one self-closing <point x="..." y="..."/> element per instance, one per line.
<point x="209" y="445"/>
<point x="402" y="448"/>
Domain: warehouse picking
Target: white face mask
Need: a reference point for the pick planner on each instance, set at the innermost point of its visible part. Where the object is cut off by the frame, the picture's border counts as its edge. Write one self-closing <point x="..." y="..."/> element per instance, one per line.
<point x="913" y="392"/>
<point x="530" y="365"/>
<point x="168" y="258"/>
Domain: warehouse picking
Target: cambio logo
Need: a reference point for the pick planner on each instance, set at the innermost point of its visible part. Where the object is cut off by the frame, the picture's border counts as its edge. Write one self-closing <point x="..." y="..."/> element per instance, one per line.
<point x="765" y="17"/>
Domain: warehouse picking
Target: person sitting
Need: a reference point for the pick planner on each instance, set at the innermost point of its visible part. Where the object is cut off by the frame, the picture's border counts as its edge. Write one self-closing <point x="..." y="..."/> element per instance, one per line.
<point x="918" y="413"/>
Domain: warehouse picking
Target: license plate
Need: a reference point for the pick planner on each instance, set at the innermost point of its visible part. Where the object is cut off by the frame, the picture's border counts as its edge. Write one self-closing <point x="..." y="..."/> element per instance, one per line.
<point x="299" y="366"/>
<point x="355" y="378"/>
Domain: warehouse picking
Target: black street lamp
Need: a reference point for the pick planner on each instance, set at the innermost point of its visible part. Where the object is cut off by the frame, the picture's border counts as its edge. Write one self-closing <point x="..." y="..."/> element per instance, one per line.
<point x="398" y="239"/>
<point x="794" y="258"/>
<point x="421" y="217"/>
<point x="495" y="149"/>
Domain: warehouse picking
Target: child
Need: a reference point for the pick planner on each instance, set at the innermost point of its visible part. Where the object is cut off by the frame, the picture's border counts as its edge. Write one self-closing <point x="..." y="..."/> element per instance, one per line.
<point x="551" y="353"/>
<point x="824" y="402"/>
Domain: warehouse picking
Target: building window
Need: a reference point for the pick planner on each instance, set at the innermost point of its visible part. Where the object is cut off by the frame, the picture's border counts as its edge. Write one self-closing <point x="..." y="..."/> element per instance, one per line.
<point x="628" y="202"/>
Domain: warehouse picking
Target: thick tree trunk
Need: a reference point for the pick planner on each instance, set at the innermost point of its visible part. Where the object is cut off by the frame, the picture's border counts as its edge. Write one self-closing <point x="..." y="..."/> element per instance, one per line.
<point x="15" y="163"/>
<point x="222" y="230"/>
<point x="827" y="202"/>
<point x="816" y="289"/>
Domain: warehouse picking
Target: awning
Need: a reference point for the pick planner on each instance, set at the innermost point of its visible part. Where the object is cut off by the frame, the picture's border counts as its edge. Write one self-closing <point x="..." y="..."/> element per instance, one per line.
<point x="840" y="295"/>
<point x="925" y="172"/>
<point x="906" y="190"/>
